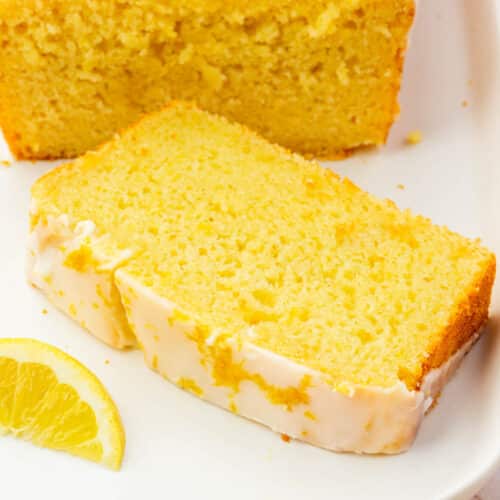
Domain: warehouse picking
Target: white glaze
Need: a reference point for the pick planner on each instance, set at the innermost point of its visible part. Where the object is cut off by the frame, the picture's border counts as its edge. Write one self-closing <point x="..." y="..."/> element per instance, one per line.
<point x="89" y="298"/>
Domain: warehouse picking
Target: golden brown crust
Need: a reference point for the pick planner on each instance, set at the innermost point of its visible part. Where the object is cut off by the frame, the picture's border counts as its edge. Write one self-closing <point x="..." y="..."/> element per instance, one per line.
<point x="469" y="317"/>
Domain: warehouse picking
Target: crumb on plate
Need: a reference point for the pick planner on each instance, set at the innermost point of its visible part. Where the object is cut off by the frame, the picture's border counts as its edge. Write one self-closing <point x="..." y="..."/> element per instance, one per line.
<point x="286" y="438"/>
<point x="401" y="186"/>
<point x="414" y="137"/>
<point x="5" y="163"/>
<point x="465" y="103"/>
<point x="44" y="311"/>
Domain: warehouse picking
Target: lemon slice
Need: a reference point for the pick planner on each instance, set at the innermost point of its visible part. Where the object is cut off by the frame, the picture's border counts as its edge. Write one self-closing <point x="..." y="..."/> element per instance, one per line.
<point x="50" y="399"/>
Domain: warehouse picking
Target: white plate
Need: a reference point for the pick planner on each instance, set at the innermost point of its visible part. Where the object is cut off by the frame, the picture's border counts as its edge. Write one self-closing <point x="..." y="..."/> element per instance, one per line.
<point x="179" y="447"/>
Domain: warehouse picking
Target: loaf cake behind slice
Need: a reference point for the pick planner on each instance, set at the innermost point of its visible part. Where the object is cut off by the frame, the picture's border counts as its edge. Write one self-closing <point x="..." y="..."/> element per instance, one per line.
<point x="318" y="76"/>
<point x="260" y="281"/>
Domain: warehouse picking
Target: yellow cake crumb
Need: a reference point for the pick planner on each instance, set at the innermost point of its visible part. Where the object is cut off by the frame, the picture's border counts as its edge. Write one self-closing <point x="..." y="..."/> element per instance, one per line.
<point x="414" y="137"/>
<point x="154" y="362"/>
<point x="465" y="103"/>
<point x="310" y="415"/>
<point x="401" y="186"/>
<point x="81" y="260"/>
<point x="44" y="311"/>
<point x="190" y="385"/>
<point x="5" y="163"/>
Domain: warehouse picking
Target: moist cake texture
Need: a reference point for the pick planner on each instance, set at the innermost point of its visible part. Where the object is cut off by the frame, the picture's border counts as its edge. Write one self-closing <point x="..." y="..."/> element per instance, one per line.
<point x="320" y="77"/>
<point x="258" y="279"/>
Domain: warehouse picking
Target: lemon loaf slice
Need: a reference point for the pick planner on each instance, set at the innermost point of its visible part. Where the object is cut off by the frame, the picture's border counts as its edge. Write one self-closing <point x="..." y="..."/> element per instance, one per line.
<point x="258" y="280"/>
<point x="320" y="77"/>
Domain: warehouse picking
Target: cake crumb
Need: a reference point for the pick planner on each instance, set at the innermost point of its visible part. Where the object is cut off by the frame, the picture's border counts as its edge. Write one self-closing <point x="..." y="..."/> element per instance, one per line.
<point x="414" y="137"/>
<point x="5" y="163"/>
<point x="106" y="361"/>
<point x="401" y="186"/>
<point x="286" y="438"/>
<point x="44" y="311"/>
<point x="465" y="103"/>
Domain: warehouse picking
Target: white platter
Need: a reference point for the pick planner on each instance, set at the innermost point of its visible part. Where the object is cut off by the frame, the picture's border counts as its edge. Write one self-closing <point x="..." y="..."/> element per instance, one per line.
<point x="179" y="447"/>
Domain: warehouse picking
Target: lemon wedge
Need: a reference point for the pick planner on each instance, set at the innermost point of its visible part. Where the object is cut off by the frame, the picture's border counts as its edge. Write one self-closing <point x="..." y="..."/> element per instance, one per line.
<point x="51" y="400"/>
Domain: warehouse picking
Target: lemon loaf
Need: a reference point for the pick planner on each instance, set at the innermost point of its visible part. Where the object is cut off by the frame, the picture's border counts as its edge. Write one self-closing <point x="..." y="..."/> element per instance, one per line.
<point x="320" y="77"/>
<point x="258" y="280"/>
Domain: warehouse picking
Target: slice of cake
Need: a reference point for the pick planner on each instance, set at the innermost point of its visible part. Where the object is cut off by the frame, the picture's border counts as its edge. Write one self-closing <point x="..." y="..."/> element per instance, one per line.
<point x="260" y="281"/>
<point x="320" y="77"/>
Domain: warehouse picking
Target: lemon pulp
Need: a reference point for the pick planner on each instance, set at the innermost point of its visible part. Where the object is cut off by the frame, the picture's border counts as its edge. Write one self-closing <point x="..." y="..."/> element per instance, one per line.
<point x="51" y="400"/>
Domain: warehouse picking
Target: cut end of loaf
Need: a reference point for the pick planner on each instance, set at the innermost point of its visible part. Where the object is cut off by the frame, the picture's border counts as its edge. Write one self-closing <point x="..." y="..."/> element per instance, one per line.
<point x="319" y="77"/>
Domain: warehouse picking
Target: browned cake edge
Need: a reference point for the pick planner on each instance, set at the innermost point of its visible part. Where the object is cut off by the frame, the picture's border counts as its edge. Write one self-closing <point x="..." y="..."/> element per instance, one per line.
<point x="466" y="321"/>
